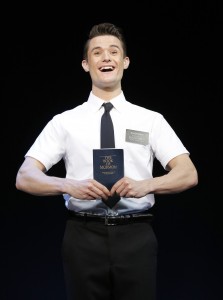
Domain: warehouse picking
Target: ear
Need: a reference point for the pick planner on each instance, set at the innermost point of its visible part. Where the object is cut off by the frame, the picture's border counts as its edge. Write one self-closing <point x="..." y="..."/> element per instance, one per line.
<point x="126" y="62"/>
<point x="85" y="65"/>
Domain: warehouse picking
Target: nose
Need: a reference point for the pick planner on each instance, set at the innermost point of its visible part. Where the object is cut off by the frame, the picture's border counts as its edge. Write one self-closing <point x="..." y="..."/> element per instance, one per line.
<point x="106" y="56"/>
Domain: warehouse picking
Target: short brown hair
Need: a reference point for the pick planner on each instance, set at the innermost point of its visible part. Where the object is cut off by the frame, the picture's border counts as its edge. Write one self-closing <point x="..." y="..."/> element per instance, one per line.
<point x="105" y="29"/>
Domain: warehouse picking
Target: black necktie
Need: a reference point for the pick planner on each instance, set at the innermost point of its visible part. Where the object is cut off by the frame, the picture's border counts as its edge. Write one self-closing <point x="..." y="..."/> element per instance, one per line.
<point x="107" y="130"/>
<point x="108" y="141"/>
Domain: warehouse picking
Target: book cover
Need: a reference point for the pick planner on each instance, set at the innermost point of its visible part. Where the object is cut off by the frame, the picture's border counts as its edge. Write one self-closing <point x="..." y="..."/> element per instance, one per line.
<point x="108" y="168"/>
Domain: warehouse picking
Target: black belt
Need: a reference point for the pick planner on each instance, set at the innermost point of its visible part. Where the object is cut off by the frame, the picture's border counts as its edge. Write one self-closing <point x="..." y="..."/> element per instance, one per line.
<point x="112" y="220"/>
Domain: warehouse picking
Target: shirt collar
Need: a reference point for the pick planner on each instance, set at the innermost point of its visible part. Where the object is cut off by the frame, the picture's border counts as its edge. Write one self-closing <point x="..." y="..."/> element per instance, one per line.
<point x="118" y="101"/>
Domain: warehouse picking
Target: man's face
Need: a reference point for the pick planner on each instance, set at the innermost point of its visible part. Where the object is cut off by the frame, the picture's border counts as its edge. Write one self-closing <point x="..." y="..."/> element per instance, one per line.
<point x="106" y="61"/>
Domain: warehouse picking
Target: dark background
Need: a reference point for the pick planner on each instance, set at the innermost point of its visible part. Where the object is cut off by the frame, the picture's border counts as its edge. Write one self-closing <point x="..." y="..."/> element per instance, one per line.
<point x="175" y="51"/>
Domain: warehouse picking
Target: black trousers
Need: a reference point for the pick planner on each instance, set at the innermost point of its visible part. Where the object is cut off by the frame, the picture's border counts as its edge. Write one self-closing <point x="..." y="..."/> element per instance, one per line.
<point x="109" y="262"/>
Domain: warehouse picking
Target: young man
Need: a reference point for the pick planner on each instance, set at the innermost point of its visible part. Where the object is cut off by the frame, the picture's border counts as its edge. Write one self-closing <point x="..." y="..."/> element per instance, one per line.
<point x="108" y="252"/>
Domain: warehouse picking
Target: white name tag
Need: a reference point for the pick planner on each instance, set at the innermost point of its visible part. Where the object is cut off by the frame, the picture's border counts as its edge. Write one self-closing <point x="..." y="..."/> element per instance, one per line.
<point x="137" y="137"/>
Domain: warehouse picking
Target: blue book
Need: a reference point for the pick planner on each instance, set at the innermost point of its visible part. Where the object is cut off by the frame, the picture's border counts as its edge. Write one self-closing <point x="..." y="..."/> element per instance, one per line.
<point x="108" y="168"/>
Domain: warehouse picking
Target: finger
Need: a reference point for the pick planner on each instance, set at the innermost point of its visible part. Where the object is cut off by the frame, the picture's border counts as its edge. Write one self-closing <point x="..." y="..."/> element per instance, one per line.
<point x="97" y="193"/>
<point x="101" y="188"/>
<point x="117" y="187"/>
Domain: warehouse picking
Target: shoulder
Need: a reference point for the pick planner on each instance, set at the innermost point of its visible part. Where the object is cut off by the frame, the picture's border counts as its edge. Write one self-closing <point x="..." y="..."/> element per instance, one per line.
<point x="143" y="111"/>
<point x="78" y="110"/>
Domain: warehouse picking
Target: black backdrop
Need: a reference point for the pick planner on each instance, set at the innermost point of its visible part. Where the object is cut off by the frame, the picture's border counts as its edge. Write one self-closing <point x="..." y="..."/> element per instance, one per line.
<point x="175" y="52"/>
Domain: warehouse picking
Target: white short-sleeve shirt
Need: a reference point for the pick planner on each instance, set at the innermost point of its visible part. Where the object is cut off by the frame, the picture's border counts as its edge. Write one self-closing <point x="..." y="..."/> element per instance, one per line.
<point x="143" y="134"/>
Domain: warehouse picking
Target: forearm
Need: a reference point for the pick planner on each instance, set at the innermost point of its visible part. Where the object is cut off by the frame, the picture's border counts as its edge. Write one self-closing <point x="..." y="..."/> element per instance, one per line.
<point x="177" y="180"/>
<point x="39" y="184"/>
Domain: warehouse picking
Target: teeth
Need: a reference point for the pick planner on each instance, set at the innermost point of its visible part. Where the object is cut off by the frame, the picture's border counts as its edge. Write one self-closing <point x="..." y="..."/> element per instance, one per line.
<point x="106" y="68"/>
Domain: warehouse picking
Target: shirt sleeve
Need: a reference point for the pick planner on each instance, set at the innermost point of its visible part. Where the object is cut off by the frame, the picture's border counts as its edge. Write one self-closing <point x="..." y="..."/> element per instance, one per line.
<point x="165" y="142"/>
<point x="48" y="147"/>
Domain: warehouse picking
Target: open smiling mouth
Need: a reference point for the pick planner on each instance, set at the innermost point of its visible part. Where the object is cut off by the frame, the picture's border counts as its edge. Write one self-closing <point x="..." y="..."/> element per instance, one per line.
<point x="107" y="69"/>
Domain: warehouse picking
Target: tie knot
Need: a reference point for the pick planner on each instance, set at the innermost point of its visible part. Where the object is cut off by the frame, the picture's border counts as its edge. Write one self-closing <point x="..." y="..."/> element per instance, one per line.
<point x="108" y="106"/>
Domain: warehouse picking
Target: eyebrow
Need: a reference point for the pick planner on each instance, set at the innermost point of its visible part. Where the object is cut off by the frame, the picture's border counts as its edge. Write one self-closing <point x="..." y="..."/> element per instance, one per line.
<point x="98" y="47"/>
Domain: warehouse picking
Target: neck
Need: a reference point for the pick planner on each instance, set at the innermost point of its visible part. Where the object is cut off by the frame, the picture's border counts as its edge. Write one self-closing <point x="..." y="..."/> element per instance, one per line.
<point x="106" y="94"/>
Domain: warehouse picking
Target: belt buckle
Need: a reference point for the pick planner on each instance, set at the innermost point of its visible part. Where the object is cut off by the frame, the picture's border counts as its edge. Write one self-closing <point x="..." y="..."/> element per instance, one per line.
<point x="107" y="222"/>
